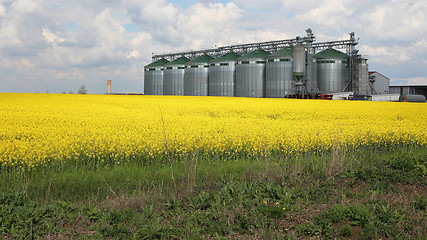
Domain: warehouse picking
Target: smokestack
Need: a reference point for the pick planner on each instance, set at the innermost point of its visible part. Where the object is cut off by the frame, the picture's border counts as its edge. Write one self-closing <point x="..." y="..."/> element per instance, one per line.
<point x="109" y="87"/>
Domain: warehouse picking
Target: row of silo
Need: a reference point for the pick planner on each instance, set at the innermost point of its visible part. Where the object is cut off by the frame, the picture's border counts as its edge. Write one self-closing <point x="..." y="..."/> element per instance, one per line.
<point x="255" y="74"/>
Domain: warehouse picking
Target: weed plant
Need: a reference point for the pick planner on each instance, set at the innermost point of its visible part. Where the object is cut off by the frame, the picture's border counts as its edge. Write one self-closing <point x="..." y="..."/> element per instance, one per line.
<point x="367" y="193"/>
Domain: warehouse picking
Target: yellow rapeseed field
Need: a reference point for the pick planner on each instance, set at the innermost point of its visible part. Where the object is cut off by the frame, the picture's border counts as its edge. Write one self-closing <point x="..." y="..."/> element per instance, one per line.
<point x="40" y="128"/>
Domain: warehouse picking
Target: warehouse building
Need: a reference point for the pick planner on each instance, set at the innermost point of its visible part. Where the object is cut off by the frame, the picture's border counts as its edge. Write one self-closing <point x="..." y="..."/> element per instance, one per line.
<point x="409" y="90"/>
<point x="379" y="83"/>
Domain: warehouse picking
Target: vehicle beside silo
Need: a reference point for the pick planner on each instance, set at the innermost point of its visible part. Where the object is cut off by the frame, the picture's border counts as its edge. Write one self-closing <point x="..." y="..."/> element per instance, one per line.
<point x="250" y="74"/>
<point x="332" y="71"/>
<point x="153" y="77"/>
<point x="196" y="76"/>
<point x="173" y="76"/>
<point x="222" y="75"/>
<point x="278" y="73"/>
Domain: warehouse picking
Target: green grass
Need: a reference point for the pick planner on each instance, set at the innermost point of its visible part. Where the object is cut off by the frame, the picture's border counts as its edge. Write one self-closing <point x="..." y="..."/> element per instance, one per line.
<point x="360" y="194"/>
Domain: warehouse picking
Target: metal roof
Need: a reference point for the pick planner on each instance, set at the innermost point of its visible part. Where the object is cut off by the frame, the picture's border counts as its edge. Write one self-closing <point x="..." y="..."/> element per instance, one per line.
<point x="284" y="52"/>
<point x="330" y="53"/>
<point x="259" y="53"/>
<point x="158" y="63"/>
<point x="372" y="72"/>
<point x="230" y="56"/>
<point x="179" y="61"/>
<point x="201" y="59"/>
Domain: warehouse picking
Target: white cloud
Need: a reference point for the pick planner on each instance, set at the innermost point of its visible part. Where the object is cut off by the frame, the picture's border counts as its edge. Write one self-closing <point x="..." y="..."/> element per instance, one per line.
<point x="409" y="81"/>
<point x="2" y="11"/>
<point x="50" y="37"/>
<point x="393" y="55"/>
<point x="397" y="20"/>
<point x="62" y="44"/>
<point x="26" y="6"/>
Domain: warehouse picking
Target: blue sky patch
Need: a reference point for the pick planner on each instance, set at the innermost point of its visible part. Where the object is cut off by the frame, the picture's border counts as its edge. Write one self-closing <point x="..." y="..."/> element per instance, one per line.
<point x="131" y="27"/>
<point x="70" y="26"/>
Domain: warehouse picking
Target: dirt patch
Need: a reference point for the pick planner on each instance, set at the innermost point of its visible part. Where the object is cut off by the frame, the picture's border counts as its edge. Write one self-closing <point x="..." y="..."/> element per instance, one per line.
<point x="355" y="230"/>
<point x="73" y="230"/>
<point x="413" y="190"/>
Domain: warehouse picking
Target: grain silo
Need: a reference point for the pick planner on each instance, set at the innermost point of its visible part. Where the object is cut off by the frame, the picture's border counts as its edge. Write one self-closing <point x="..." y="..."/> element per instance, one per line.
<point x="332" y="70"/>
<point x="250" y="74"/>
<point x="153" y="77"/>
<point x="173" y="77"/>
<point x="196" y="76"/>
<point x="278" y="73"/>
<point x="222" y="75"/>
<point x="299" y="62"/>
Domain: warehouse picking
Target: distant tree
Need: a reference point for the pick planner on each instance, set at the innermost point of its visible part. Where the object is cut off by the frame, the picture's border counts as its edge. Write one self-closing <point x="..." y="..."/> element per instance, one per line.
<point x="70" y="92"/>
<point x="64" y="92"/>
<point x="82" y="90"/>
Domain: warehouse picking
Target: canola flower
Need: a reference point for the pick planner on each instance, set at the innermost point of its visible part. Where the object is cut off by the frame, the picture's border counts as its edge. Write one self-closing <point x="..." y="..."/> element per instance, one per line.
<point x="37" y="129"/>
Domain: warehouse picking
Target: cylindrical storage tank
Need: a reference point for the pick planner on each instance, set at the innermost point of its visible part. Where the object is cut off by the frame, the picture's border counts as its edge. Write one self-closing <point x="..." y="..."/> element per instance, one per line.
<point x="153" y="77"/>
<point x="173" y="77"/>
<point x="412" y="98"/>
<point x="278" y="73"/>
<point x="332" y="70"/>
<point x="314" y="86"/>
<point x="250" y="74"/>
<point x="222" y="75"/>
<point x="196" y="76"/>
<point x="299" y="58"/>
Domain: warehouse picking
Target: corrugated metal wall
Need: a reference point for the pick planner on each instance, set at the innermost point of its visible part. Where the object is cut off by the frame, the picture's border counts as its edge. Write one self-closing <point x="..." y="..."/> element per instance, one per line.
<point x="196" y="80"/>
<point x="278" y="77"/>
<point x="250" y="75"/>
<point x="153" y="81"/>
<point x="222" y="77"/>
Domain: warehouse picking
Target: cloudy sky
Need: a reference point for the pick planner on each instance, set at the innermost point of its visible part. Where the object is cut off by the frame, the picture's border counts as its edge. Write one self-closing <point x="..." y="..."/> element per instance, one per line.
<point x="59" y="45"/>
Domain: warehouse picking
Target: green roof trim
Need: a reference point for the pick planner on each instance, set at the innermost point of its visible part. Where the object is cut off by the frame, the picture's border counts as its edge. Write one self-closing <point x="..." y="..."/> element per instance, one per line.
<point x="201" y="59"/>
<point x="284" y="52"/>
<point x="230" y="56"/>
<point x="256" y="54"/>
<point x="330" y="53"/>
<point x="158" y="63"/>
<point x="178" y="61"/>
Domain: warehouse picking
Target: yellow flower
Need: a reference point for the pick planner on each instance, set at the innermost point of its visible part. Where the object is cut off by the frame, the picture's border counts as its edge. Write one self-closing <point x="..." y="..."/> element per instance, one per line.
<point x="38" y="129"/>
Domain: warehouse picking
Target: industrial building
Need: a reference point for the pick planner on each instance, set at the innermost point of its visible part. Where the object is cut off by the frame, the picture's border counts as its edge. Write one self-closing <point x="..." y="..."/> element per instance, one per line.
<point x="379" y="83"/>
<point x="294" y="68"/>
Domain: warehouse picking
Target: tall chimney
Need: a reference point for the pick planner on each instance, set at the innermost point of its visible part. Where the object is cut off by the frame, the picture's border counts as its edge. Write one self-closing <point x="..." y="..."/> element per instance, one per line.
<point x="109" y="87"/>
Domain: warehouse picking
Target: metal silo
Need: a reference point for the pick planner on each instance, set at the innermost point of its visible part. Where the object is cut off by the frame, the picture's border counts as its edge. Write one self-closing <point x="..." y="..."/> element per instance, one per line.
<point x="153" y="77"/>
<point x="278" y="73"/>
<point x="173" y="77"/>
<point x="250" y="74"/>
<point x="196" y="76"/>
<point x="222" y="75"/>
<point x="332" y="70"/>
<point x="299" y="61"/>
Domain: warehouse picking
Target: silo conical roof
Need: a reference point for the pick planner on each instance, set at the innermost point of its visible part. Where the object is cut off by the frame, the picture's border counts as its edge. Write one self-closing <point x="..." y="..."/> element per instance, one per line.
<point x="201" y="59"/>
<point x="330" y="53"/>
<point x="158" y="63"/>
<point x="230" y="56"/>
<point x="284" y="52"/>
<point x="259" y="53"/>
<point x="179" y="61"/>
